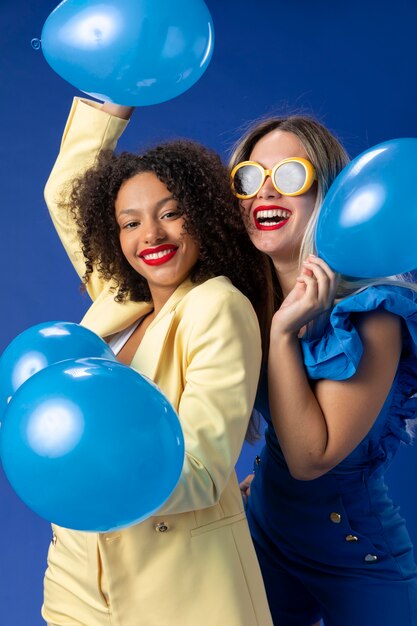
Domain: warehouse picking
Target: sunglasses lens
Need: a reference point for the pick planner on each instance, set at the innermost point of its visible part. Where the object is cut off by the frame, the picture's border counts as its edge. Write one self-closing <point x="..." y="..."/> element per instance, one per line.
<point x="290" y="177"/>
<point x="247" y="180"/>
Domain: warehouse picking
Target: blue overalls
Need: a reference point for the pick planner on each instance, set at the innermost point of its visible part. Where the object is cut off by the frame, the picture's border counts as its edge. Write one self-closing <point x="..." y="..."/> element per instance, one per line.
<point x="336" y="547"/>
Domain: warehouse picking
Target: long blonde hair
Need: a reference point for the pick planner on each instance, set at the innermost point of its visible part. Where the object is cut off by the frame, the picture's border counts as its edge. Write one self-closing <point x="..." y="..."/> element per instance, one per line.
<point x="329" y="157"/>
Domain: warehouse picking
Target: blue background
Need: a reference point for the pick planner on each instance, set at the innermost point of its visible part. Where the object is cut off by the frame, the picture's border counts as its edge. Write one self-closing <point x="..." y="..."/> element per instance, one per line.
<point x="352" y="65"/>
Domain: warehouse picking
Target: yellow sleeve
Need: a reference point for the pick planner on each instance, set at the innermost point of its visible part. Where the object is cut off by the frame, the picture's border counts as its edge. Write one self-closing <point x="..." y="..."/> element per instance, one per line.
<point x="88" y="131"/>
<point x="223" y="357"/>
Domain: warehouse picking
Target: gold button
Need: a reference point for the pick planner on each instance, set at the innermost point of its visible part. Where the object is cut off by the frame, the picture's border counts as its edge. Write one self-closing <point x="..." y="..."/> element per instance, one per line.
<point x="351" y="538"/>
<point x="336" y="518"/>
<point x="54" y="539"/>
<point x="370" y="558"/>
<point x="162" y="527"/>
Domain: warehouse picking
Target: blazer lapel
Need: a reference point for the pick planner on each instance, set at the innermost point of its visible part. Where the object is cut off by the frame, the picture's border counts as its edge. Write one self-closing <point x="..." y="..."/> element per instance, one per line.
<point x="106" y="317"/>
<point x="151" y="349"/>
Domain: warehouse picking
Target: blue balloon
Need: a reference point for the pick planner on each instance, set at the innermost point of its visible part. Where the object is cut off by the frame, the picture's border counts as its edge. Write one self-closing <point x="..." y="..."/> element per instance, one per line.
<point x="131" y="52"/>
<point x="42" y="345"/>
<point x="90" y="444"/>
<point x="368" y="222"/>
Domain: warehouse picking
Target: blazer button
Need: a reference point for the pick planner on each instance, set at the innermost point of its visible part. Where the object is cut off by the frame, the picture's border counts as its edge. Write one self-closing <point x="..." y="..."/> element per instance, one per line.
<point x="370" y="558"/>
<point x="336" y="518"/>
<point x="351" y="538"/>
<point x="161" y="527"/>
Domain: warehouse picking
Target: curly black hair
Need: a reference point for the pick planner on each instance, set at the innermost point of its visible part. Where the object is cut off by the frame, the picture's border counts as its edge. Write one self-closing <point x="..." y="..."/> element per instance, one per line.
<point x="199" y="182"/>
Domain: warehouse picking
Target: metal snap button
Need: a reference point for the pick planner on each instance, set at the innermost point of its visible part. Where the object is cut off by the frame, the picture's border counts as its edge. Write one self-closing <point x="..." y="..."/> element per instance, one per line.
<point x="161" y="527"/>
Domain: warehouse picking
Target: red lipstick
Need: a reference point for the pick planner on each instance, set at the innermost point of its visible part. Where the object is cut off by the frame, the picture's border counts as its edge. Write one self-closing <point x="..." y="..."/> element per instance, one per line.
<point x="271" y="217"/>
<point x="158" y="255"/>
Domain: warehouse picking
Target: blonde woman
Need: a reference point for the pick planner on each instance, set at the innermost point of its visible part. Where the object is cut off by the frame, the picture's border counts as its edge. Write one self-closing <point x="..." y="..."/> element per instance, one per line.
<point x="338" y="387"/>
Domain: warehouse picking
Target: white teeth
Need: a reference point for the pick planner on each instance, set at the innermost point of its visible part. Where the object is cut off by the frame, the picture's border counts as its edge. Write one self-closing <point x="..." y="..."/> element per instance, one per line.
<point x="156" y="255"/>
<point x="273" y="213"/>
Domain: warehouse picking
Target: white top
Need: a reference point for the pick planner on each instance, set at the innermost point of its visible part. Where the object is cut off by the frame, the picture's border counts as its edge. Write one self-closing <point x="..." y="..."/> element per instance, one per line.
<point x="118" y="340"/>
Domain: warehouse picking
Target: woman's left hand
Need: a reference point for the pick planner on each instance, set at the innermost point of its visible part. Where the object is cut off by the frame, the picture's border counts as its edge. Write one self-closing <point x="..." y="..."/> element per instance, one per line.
<point x="312" y="295"/>
<point x="245" y="487"/>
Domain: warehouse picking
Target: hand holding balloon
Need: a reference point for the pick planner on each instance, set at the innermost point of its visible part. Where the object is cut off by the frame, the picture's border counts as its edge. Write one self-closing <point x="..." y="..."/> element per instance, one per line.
<point x="368" y="222"/>
<point x="132" y="52"/>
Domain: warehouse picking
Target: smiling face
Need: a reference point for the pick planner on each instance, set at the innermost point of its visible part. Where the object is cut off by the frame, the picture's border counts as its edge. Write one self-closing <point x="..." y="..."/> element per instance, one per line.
<point x="276" y="223"/>
<point x="152" y="235"/>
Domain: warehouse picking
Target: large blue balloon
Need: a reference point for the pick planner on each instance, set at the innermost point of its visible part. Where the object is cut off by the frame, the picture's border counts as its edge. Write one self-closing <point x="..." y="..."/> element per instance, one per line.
<point x="42" y="345"/>
<point x="367" y="225"/>
<point x="131" y="52"/>
<point x="90" y="444"/>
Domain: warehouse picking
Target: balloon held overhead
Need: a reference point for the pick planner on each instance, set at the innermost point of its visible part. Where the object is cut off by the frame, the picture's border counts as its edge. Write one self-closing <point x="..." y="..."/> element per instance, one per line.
<point x="130" y="52"/>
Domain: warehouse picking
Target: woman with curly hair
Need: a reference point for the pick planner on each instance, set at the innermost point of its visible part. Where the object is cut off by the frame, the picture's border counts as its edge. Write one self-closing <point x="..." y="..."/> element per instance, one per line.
<point x="159" y="243"/>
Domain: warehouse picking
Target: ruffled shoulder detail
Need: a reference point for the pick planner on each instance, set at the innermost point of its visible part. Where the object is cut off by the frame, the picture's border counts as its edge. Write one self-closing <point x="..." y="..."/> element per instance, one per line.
<point x="337" y="353"/>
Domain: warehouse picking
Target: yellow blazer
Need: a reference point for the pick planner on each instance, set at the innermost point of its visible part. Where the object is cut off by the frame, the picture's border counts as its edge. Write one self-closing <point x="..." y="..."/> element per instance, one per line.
<point x="194" y="562"/>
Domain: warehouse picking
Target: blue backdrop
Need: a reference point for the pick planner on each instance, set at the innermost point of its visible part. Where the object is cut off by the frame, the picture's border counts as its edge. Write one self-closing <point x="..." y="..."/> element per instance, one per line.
<point x="353" y="65"/>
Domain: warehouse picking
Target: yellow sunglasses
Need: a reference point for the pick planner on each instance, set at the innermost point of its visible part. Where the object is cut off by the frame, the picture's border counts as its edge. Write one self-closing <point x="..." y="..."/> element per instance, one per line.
<point x="290" y="177"/>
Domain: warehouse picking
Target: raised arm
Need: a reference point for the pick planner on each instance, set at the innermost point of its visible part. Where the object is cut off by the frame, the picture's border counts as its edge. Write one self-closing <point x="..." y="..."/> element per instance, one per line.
<point x="318" y="426"/>
<point x="90" y="128"/>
